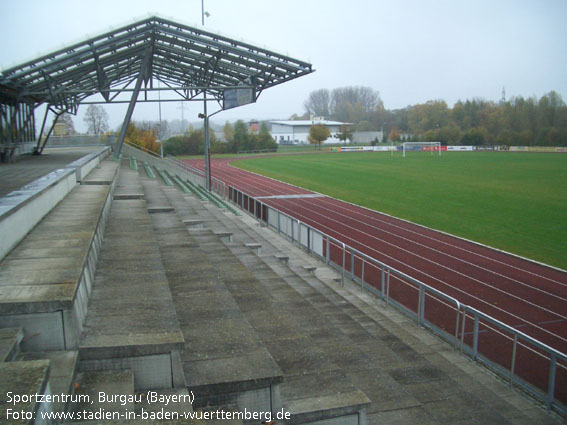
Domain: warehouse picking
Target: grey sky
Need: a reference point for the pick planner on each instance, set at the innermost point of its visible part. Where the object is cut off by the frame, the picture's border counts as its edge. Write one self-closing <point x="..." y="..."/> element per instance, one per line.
<point x="410" y="51"/>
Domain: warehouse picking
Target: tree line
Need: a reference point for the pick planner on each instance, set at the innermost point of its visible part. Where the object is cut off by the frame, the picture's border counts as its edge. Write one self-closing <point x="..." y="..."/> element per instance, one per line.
<point x="238" y="139"/>
<point x="518" y="121"/>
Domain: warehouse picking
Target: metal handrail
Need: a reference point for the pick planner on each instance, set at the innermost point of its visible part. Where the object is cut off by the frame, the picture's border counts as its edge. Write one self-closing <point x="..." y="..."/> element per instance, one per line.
<point x="143" y="149"/>
<point x="461" y="309"/>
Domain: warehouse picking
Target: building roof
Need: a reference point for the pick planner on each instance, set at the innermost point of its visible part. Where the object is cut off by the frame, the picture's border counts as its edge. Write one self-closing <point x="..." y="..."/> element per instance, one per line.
<point x="298" y="123"/>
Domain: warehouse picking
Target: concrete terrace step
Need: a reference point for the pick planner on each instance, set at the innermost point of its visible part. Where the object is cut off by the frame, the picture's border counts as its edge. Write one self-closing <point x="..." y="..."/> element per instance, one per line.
<point x="224" y="360"/>
<point x="63" y="369"/>
<point x="418" y="372"/>
<point x="10" y="339"/>
<point x="111" y="391"/>
<point x="284" y="323"/>
<point x="132" y="323"/>
<point x="46" y="279"/>
<point x="23" y="379"/>
<point x="103" y="174"/>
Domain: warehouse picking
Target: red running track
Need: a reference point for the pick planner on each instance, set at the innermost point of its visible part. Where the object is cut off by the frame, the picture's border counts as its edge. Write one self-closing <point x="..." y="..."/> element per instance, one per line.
<point x="528" y="296"/>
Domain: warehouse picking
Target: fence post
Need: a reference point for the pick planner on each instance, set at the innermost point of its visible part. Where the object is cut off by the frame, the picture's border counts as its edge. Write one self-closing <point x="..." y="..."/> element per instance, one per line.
<point x="513" y="359"/>
<point x="457" y="325"/>
<point x="387" y="287"/>
<point x="352" y="264"/>
<point x="382" y="282"/>
<point x="343" y="268"/>
<point x="421" y="305"/>
<point x="551" y="382"/>
<point x="463" y="329"/>
<point x="475" y="337"/>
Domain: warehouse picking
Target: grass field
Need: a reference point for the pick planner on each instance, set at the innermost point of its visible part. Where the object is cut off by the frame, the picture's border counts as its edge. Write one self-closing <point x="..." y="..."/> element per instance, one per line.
<point x="512" y="201"/>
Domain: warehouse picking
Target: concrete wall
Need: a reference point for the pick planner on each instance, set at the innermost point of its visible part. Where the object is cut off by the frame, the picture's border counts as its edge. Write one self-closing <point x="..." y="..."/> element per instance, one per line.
<point x="22" y="209"/>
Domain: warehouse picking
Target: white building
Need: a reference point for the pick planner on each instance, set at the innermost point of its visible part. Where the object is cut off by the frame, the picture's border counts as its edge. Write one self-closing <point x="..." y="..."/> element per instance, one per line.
<point x="296" y="132"/>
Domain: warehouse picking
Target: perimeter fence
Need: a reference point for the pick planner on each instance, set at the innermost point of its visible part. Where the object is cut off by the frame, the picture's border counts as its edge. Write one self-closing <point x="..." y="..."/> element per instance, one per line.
<point x="521" y="360"/>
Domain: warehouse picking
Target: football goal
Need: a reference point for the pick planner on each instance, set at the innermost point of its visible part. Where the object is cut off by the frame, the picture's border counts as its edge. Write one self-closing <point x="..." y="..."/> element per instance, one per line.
<point x="422" y="146"/>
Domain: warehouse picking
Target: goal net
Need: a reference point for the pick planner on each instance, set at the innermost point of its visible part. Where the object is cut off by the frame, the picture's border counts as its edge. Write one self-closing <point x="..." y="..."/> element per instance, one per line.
<point x="422" y="147"/>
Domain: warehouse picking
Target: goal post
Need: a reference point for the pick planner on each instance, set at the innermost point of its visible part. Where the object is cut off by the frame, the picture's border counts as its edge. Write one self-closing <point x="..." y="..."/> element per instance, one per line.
<point x="429" y="146"/>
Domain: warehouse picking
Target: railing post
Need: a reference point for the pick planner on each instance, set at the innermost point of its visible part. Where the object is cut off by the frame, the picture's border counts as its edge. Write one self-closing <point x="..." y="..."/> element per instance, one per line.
<point x="352" y="264"/>
<point x="279" y="219"/>
<point x="463" y="330"/>
<point x="382" y="282"/>
<point x="362" y="273"/>
<point x="457" y="326"/>
<point x="387" y="287"/>
<point x="292" y="232"/>
<point x="475" y="337"/>
<point x="551" y="382"/>
<point x="343" y="268"/>
<point x="328" y="251"/>
<point x="421" y="305"/>
<point x="513" y="359"/>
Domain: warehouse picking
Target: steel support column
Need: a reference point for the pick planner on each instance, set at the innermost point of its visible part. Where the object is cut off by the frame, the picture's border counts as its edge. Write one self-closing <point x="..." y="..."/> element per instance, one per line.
<point x="141" y="77"/>
<point x="207" y="144"/>
<point x="39" y="149"/>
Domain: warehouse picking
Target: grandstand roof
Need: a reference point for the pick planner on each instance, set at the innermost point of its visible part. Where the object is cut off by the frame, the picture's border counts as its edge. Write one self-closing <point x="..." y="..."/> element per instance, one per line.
<point x="186" y="60"/>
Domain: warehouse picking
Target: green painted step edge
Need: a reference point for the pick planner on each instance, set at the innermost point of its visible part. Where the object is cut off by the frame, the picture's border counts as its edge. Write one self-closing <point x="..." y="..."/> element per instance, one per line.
<point x="165" y="179"/>
<point x="149" y="171"/>
<point x="133" y="164"/>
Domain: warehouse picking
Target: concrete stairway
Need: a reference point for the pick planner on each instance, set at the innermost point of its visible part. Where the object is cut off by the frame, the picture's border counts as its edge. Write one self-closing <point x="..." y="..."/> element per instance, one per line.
<point x="409" y="375"/>
<point x="242" y="319"/>
<point x="131" y="322"/>
<point x="224" y="362"/>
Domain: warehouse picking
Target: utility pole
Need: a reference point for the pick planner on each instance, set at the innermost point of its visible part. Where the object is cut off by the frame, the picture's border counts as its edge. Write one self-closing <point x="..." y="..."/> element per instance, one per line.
<point x="182" y="107"/>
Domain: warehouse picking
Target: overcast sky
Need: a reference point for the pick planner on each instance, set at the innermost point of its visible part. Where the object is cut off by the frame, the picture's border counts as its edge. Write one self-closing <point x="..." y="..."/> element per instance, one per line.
<point x="410" y="51"/>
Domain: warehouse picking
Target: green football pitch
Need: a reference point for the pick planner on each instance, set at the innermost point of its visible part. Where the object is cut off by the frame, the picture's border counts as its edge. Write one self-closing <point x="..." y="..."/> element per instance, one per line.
<point x="511" y="201"/>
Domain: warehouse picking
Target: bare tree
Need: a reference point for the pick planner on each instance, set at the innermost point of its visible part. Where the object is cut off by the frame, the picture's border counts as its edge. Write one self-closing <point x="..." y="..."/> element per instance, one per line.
<point x="366" y="97"/>
<point x="97" y="119"/>
<point x="318" y="103"/>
